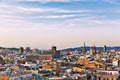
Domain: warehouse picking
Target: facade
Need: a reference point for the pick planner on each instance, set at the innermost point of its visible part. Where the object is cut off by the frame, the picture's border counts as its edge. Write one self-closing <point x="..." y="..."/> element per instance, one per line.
<point x="56" y="78"/>
<point x="22" y="77"/>
<point x="115" y="63"/>
<point x="106" y="77"/>
<point x="4" y="77"/>
<point x="40" y="57"/>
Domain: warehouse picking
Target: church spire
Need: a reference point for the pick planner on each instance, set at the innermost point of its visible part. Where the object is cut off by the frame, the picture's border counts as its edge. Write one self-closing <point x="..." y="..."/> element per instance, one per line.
<point x="84" y="49"/>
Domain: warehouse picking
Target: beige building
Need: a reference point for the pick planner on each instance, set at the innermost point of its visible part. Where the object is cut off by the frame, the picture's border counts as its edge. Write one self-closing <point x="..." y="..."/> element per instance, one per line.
<point x="92" y="49"/>
<point x="106" y="77"/>
<point x="40" y="57"/>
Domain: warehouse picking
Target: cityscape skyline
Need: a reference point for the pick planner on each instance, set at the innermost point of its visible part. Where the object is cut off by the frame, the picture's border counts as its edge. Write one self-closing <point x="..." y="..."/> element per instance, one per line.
<point x="63" y="23"/>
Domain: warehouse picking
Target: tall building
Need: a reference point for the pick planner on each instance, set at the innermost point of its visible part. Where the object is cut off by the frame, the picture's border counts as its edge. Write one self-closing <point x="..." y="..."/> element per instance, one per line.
<point x="21" y="50"/>
<point x="84" y="49"/>
<point x="92" y="49"/>
<point x="105" y="48"/>
<point x="54" y="49"/>
<point x="27" y="49"/>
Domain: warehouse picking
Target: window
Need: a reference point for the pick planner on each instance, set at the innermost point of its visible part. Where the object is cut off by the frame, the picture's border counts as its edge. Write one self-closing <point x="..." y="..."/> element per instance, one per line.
<point x="104" y="79"/>
<point x="99" y="78"/>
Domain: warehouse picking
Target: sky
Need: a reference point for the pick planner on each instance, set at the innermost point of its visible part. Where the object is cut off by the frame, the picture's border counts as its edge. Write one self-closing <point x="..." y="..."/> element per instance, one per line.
<point x="64" y="23"/>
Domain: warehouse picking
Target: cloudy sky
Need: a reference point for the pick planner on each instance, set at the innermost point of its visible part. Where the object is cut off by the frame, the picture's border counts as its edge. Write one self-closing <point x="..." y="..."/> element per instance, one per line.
<point x="64" y="23"/>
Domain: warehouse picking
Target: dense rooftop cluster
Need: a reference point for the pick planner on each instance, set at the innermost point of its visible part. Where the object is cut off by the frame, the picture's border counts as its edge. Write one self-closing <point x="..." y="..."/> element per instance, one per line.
<point x="27" y="64"/>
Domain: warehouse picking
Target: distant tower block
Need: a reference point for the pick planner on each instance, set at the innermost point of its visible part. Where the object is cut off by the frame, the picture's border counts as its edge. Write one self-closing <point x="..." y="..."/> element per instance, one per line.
<point x="92" y="49"/>
<point x="54" y="49"/>
<point x="84" y="49"/>
<point x="27" y="49"/>
<point x="105" y="48"/>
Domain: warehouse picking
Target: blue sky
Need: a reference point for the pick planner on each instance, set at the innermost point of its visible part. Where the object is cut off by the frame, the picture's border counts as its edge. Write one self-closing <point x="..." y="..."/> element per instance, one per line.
<point x="64" y="23"/>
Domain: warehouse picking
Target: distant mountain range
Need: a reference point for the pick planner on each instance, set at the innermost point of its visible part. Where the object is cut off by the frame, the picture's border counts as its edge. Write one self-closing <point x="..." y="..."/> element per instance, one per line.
<point x="76" y="48"/>
<point x="9" y="48"/>
<point x="88" y="48"/>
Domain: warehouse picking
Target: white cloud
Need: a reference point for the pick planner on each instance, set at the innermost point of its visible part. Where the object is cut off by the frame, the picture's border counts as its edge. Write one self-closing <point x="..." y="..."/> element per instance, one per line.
<point x="13" y="12"/>
<point x="112" y="1"/>
<point x="93" y="20"/>
<point x="58" y="16"/>
<point x="12" y="9"/>
<point x="16" y="13"/>
<point x="46" y="1"/>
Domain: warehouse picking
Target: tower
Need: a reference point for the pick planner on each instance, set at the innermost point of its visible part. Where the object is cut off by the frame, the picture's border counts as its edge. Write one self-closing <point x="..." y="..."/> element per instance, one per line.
<point x="21" y="50"/>
<point x="27" y="49"/>
<point x="105" y="48"/>
<point x="84" y="49"/>
<point x="92" y="49"/>
<point x="54" y="49"/>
